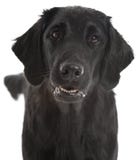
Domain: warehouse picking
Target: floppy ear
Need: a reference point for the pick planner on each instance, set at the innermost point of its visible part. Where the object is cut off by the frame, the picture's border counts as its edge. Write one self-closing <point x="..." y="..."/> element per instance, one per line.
<point x="119" y="55"/>
<point x="28" y="48"/>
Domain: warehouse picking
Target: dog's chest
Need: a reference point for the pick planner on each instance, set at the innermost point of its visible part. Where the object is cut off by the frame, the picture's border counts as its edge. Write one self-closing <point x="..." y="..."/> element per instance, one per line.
<point x="70" y="140"/>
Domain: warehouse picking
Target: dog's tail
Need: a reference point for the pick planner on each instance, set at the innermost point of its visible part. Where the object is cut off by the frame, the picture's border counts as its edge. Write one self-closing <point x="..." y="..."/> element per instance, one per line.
<point x="16" y="84"/>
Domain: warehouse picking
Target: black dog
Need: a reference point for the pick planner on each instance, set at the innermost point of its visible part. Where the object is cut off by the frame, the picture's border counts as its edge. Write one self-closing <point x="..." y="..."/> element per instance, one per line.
<point x="73" y="58"/>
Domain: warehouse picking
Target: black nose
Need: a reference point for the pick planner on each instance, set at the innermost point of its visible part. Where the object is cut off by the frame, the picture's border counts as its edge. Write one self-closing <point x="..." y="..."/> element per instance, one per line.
<point x="70" y="71"/>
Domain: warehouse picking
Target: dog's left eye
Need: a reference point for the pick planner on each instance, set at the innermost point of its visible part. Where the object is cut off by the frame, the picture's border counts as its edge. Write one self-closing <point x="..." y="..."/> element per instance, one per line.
<point x="93" y="39"/>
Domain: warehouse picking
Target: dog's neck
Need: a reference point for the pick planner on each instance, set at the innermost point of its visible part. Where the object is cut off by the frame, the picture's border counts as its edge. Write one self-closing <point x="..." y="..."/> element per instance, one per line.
<point x="65" y="108"/>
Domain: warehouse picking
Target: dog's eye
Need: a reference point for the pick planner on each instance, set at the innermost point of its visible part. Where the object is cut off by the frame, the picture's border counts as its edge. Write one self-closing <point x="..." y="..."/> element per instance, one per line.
<point x="55" y="35"/>
<point x="93" y="39"/>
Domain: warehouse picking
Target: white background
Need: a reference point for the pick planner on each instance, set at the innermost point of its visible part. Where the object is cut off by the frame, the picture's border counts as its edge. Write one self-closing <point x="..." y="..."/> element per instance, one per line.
<point x="15" y="18"/>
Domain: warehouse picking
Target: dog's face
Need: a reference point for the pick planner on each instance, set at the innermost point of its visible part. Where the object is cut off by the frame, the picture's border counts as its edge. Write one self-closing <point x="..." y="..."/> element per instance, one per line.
<point x="75" y="49"/>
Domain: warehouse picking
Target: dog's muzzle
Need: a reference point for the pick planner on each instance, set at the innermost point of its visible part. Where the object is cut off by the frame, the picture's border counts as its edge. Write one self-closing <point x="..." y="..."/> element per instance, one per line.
<point x="68" y="95"/>
<point x="72" y="92"/>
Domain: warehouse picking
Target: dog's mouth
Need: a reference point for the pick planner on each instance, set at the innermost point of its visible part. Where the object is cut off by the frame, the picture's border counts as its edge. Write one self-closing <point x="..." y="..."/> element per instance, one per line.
<point x="68" y="94"/>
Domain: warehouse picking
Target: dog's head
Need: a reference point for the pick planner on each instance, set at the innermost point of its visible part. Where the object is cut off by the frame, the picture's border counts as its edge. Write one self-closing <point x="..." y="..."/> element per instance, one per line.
<point x="74" y="48"/>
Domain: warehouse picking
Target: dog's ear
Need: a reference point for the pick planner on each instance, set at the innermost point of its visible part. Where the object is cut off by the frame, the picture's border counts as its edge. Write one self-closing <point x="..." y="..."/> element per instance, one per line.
<point x="118" y="56"/>
<point x="28" y="48"/>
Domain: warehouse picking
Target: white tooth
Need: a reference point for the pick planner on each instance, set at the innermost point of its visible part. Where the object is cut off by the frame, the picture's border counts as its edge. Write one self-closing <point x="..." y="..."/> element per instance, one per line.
<point x="67" y="91"/>
<point x="57" y="90"/>
<point x="71" y="92"/>
<point x="81" y="94"/>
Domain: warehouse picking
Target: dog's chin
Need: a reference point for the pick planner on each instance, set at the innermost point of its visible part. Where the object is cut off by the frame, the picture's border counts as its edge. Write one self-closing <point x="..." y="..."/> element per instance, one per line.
<point x="68" y="95"/>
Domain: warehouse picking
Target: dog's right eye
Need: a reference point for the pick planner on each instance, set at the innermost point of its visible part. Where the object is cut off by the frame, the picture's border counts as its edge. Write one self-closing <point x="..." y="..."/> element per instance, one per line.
<point x="55" y="35"/>
<point x="57" y="32"/>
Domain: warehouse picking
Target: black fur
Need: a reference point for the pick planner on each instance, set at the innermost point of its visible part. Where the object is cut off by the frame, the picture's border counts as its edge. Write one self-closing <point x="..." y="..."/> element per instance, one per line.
<point x="58" y="126"/>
